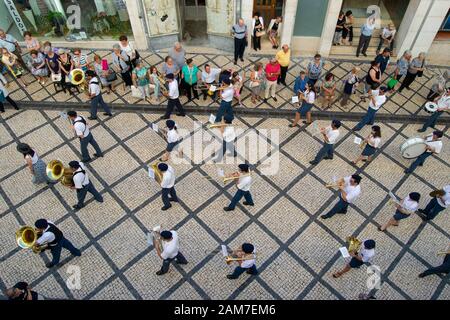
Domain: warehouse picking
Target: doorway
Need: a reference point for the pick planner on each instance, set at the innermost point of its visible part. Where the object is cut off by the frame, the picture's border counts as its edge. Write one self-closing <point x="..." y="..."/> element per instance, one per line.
<point x="193" y="22"/>
<point x="268" y="10"/>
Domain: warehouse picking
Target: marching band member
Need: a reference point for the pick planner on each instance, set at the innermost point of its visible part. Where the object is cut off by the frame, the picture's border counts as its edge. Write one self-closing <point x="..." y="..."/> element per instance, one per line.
<point x="330" y="135"/>
<point x="358" y="259"/>
<point x="173" y="139"/>
<point x="168" y="185"/>
<point x="248" y="266"/>
<point x="22" y="291"/>
<point x="443" y="104"/>
<point x="349" y="190"/>
<point x="372" y="141"/>
<point x="209" y="77"/>
<point x="229" y="138"/>
<point x="243" y="183"/>
<point x="227" y="98"/>
<point x="81" y="129"/>
<point x="95" y="94"/>
<point x="82" y="184"/>
<point x="434" y="146"/>
<point x="377" y="99"/>
<point x="173" y="98"/>
<point x="436" y="205"/>
<point x="443" y="268"/>
<point x="307" y="99"/>
<point x="54" y="238"/>
<point x="407" y="206"/>
<point x="171" y="251"/>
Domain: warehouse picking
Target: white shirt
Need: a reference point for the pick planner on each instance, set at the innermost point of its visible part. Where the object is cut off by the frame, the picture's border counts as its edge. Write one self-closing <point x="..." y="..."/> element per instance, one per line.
<point x="229" y="134"/>
<point x="80" y="180"/>
<point x="34" y="158"/>
<point x="352" y="192"/>
<point x="436" y="145"/>
<point x="366" y="254"/>
<point x="248" y="263"/>
<point x="172" y="136"/>
<point x="379" y="100"/>
<point x="168" y="179"/>
<point x="47" y="236"/>
<point x="409" y="204"/>
<point x="129" y="49"/>
<point x="227" y="94"/>
<point x="80" y="128"/>
<point x="444" y="102"/>
<point x="244" y="183"/>
<point x="374" y="141"/>
<point x="211" y="76"/>
<point x="173" y="90"/>
<point x="387" y="33"/>
<point x="445" y="200"/>
<point x="310" y="97"/>
<point x="332" y="135"/>
<point x="94" y="86"/>
<point x="170" y="248"/>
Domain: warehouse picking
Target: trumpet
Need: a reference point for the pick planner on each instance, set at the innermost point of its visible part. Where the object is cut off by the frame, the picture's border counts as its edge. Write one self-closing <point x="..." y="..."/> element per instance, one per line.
<point x="333" y="185"/>
<point x="353" y="244"/>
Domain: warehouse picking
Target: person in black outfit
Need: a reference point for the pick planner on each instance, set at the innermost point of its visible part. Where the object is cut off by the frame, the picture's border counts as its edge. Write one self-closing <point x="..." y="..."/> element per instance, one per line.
<point x="4" y="95"/>
<point x="258" y="26"/>
<point x="21" y="291"/>
<point x="443" y="268"/>
<point x="239" y="31"/>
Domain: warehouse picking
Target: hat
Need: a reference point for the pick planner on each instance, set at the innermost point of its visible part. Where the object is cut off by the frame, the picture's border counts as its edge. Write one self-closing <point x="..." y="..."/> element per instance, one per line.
<point x="166" y="235"/>
<point x="384" y="89"/>
<point x="61" y="51"/>
<point x="90" y="73"/>
<point x="41" y="224"/>
<point x="23" y="148"/>
<point x="248" y="248"/>
<point x="369" y="244"/>
<point x="226" y="81"/>
<point x="243" y="167"/>
<point x="414" y="196"/>
<point x="170" y="124"/>
<point x="170" y="76"/>
<point x="163" y="167"/>
<point x="74" y="164"/>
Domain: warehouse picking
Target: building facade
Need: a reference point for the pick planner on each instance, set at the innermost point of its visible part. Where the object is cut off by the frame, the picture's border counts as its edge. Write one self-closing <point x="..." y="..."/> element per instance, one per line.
<point x="308" y="26"/>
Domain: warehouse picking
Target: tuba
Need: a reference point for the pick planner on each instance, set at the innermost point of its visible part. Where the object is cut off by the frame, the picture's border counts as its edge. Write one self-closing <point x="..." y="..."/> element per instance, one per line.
<point x="353" y="244"/>
<point x="77" y="78"/>
<point x="26" y="238"/>
<point x="437" y="193"/>
<point x="158" y="173"/>
<point x="56" y="172"/>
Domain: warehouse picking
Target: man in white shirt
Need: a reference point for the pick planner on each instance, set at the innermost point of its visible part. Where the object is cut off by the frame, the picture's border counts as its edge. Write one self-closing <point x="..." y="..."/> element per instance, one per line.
<point x="82" y="131"/>
<point x="229" y="137"/>
<point x="366" y="254"/>
<point x="403" y="210"/>
<point x="434" y="146"/>
<point x="330" y="135"/>
<point x="436" y="205"/>
<point x="443" y="104"/>
<point x="227" y="97"/>
<point x="95" y="94"/>
<point x="377" y="99"/>
<point x="173" y="98"/>
<point x="82" y="184"/>
<point x="171" y="251"/>
<point x="243" y="183"/>
<point x="248" y="265"/>
<point x="388" y="35"/>
<point x="167" y="185"/>
<point x="54" y="239"/>
<point x="208" y="77"/>
<point x="349" y="190"/>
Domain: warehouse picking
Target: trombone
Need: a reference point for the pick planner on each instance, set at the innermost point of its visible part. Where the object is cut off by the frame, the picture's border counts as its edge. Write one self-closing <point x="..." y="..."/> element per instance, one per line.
<point x="239" y="255"/>
<point x="229" y="178"/>
<point x="204" y="85"/>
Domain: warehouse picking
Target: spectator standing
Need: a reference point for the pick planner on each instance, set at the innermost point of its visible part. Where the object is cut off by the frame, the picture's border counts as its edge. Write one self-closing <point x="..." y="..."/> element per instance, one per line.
<point x="283" y="57"/>
<point x="239" y="32"/>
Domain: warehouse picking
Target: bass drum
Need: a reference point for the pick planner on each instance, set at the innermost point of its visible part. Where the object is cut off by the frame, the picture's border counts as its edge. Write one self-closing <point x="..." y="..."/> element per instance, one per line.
<point x="430" y="107"/>
<point x="413" y="147"/>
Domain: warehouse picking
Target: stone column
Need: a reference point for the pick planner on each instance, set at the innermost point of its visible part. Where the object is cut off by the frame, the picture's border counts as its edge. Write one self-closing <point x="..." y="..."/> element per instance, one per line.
<point x="334" y="6"/>
<point x="247" y="15"/>
<point x="137" y="24"/>
<point x="290" y="10"/>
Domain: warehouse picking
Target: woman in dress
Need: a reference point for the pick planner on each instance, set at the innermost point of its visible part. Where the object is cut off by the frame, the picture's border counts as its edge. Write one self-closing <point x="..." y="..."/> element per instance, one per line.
<point x="38" y="66"/>
<point x="404" y="209"/>
<point x="31" y="42"/>
<point x="257" y="78"/>
<point x="141" y="79"/>
<point x="328" y="89"/>
<point x="80" y="60"/>
<point x="339" y="29"/>
<point x="274" y="31"/>
<point x="257" y="26"/>
<point x="154" y="80"/>
<point x="11" y="62"/>
<point x="52" y="60"/>
<point x="348" y="28"/>
<point x="350" y="82"/>
<point x="66" y="65"/>
<point x="36" y="165"/>
<point x="121" y="63"/>
<point x="314" y="69"/>
<point x="307" y="104"/>
<point x="103" y="74"/>
<point x="372" y="142"/>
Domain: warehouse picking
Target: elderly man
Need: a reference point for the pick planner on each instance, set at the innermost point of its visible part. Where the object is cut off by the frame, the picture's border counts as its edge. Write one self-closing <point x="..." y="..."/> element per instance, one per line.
<point x="272" y="72"/>
<point x="178" y="55"/>
<point x="10" y="43"/>
<point x="283" y="57"/>
<point x="239" y="32"/>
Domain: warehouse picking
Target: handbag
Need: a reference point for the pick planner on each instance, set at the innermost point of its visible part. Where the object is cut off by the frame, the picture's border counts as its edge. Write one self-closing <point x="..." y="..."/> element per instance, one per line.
<point x="135" y="92"/>
<point x="112" y="76"/>
<point x="420" y="73"/>
<point x="56" y="77"/>
<point x="391" y="83"/>
<point x="260" y="33"/>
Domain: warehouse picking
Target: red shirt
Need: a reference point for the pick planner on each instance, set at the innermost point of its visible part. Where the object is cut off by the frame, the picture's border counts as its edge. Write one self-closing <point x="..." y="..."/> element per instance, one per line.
<point x="270" y="68"/>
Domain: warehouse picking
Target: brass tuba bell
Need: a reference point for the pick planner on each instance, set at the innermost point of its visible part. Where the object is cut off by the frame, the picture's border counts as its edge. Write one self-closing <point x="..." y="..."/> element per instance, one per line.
<point x="56" y="172"/>
<point x="77" y="78"/>
<point x="26" y="237"/>
<point x="353" y="244"/>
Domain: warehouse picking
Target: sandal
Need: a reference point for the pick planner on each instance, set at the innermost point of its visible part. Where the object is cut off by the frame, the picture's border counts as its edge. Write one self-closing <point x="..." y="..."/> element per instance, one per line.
<point x="379" y="229"/>
<point x="336" y="275"/>
<point x="292" y="125"/>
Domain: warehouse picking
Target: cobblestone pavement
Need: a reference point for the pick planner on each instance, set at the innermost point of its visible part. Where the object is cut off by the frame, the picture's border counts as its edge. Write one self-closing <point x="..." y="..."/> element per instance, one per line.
<point x="297" y="251"/>
<point x="409" y="102"/>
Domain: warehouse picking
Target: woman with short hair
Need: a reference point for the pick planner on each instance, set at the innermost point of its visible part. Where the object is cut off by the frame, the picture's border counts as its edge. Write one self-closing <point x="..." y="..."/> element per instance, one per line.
<point x="415" y="69"/>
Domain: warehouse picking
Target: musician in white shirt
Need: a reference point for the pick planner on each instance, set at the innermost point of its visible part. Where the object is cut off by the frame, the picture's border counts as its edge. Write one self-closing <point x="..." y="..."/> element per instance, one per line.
<point x="229" y="137"/>
<point x="82" y="184"/>
<point x="173" y="140"/>
<point x="365" y="255"/>
<point x="167" y="185"/>
<point x="443" y="104"/>
<point x="209" y="77"/>
<point x="247" y="252"/>
<point x="173" y="97"/>
<point x="349" y="190"/>
<point x="372" y="142"/>
<point x="436" y="205"/>
<point x="243" y="183"/>
<point x="227" y="97"/>
<point x="95" y="94"/>
<point x="407" y="206"/>
<point x="330" y="135"/>
<point x="171" y="251"/>
<point x="434" y="146"/>
<point x="377" y="99"/>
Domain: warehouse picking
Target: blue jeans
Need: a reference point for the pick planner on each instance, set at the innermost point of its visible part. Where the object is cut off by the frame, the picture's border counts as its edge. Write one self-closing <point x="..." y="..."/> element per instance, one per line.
<point x="238" y="196"/>
<point x="95" y="101"/>
<point x="166" y="262"/>
<point x="369" y="118"/>
<point x="432" y="209"/>
<point x="224" y="109"/>
<point x="340" y="207"/>
<point x="239" y="270"/>
<point x="66" y="244"/>
<point x="327" y="149"/>
<point x="431" y="122"/>
<point x="81" y="194"/>
<point x="165" y="196"/>
<point x="419" y="161"/>
<point x="84" y="142"/>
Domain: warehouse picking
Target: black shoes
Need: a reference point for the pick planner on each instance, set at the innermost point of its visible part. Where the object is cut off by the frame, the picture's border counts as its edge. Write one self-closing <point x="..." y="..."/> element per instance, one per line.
<point x="173" y="200"/>
<point x="328" y="158"/>
<point x="180" y="115"/>
<point x="227" y="209"/>
<point x="166" y="208"/>
<point x="92" y="118"/>
<point x="77" y="207"/>
<point x="324" y="216"/>
<point x="86" y="160"/>
<point x="235" y="61"/>
<point x="242" y="59"/>
<point x="50" y="265"/>
<point x="313" y="162"/>
<point x="275" y="98"/>
<point x="422" y="275"/>
<point x="159" y="273"/>
<point x="248" y="204"/>
<point x="231" y="277"/>
<point x="107" y="114"/>
<point x="421" y="130"/>
<point x="98" y="155"/>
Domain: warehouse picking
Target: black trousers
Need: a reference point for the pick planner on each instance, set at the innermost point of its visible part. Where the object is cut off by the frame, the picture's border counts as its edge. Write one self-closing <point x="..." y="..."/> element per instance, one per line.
<point x="205" y="94"/>
<point x="348" y="33"/>
<point x="174" y="103"/>
<point x="11" y="102"/>
<point x="189" y="89"/>
<point x="407" y="81"/>
<point x="166" y="192"/>
<point x="256" y="42"/>
<point x="126" y="76"/>
<point x="363" y="44"/>
<point x="239" y="48"/>
<point x="282" y="76"/>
